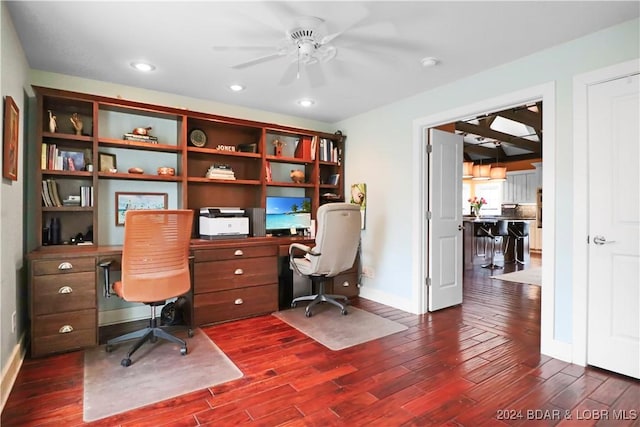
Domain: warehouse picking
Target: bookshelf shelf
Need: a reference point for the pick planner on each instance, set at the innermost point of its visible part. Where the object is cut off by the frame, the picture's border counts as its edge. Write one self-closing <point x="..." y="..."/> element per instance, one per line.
<point x="243" y="147"/>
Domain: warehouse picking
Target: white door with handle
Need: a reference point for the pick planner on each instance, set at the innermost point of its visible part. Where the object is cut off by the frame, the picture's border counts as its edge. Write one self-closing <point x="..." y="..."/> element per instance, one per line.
<point x="613" y="324"/>
<point x="445" y="226"/>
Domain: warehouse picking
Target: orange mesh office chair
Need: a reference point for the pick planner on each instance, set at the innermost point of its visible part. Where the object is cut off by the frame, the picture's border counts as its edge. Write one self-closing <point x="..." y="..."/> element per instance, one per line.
<point x="155" y="267"/>
<point x="336" y="247"/>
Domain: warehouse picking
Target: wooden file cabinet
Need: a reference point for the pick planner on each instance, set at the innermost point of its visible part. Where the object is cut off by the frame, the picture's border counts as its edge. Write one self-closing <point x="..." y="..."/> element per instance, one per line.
<point x="234" y="281"/>
<point x="63" y="304"/>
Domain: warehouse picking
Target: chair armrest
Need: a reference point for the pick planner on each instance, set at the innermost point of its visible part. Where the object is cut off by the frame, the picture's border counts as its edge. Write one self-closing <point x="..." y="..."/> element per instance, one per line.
<point x="297" y="249"/>
<point x="106" y="267"/>
<point x="303" y="248"/>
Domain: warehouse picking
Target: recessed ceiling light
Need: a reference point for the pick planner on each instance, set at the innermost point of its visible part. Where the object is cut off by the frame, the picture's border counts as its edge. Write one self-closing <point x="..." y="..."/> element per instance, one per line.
<point x="306" y="102"/>
<point x="236" y="87"/>
<point x="429" y="61"/>
<point x="143" y="66"/>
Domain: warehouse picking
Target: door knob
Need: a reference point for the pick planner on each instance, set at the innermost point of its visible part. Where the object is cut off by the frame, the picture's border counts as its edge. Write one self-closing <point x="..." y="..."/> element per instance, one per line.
<point x="460" y="227"/>
<point x="601" y="240"/>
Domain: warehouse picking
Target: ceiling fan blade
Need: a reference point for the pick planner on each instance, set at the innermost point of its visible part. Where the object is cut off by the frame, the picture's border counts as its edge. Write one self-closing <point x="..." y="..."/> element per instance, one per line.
<point x="289" y="75"/>
<point x="238" y="48"/>
<point x="259" y="60"/>
<point x="315" y="75"/>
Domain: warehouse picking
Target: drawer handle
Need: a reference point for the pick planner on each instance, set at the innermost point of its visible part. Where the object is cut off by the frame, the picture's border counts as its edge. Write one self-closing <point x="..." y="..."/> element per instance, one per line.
<point x="238" y="301"/>
<point x="65" y="266"/>
<point x="238" y="272"/>
<point x="65" y="290"/>
<point x="238" y="252"/>
<point x="65" y="329"/>
<point x="345" y="284"/>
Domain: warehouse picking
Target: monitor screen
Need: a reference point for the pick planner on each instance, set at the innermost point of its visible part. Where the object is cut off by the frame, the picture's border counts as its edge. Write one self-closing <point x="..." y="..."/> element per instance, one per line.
<point x="285" y="213"/>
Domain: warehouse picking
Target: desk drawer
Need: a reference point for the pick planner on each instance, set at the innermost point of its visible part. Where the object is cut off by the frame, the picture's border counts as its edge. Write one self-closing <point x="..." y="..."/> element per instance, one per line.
<point x="64" y="266"/>
<point x="237" y="273"/>
<point x="55" y="333"/>
<point x="56" y="293"/>
<point x="238" y="252"/>
<point x="235" y="304"/>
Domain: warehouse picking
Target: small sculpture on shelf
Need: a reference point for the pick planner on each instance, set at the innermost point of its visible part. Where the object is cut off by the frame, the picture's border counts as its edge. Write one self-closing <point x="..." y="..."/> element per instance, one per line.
<point x="52" y="122"/>
<point x="297" y="176"/>
<point x="142" y="131"/>
<point x="278" y="147"/>
<point x="77" y="123"/>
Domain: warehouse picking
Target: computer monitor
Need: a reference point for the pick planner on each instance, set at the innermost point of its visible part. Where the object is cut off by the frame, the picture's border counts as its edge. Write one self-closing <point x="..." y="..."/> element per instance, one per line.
<point x="284" y="214"/>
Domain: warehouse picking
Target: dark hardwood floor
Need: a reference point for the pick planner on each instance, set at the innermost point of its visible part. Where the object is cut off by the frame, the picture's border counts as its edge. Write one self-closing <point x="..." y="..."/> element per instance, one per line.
<point x="477" y="364"/>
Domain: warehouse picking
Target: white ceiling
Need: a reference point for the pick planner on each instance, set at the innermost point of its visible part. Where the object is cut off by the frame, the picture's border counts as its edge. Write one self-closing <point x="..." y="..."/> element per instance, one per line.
<point x="379" y="45"/>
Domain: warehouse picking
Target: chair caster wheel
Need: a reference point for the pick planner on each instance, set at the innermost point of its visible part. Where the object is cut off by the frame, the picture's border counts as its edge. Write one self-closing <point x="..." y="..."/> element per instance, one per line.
<point x="293" y="305"/>
<point x="343" y="312"/>
<point x="307" y="313"/>
<point x="125" y="362"/>
<point x="108" y="348"/>
<point x="190" y="333"/>
<point x="183" y="351"/>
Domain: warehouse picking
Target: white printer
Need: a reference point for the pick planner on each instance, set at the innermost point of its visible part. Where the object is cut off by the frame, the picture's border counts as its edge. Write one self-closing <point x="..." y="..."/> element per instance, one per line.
<point x="223" y="223"/>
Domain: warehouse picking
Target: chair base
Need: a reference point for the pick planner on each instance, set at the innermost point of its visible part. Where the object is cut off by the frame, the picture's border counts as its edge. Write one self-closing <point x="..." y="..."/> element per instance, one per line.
<point x="150" y="333"/>
<point x="321" y="296"/>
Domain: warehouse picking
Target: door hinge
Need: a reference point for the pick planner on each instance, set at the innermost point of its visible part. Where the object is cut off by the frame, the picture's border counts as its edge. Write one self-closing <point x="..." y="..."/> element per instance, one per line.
<point x="428" y="281"/>
<point x="427" y="215"/>
<point x="429" y="148"/>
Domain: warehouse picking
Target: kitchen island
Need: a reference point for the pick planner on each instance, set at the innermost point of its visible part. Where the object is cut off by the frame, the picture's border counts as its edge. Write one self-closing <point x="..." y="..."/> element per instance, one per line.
<point x="477" y="249"/>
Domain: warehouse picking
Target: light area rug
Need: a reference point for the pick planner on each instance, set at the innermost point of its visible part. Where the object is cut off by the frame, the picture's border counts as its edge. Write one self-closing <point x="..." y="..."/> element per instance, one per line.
<point x="158" y="372"/>
<point x="531" y="276"/>
<point x="335" y="331"/>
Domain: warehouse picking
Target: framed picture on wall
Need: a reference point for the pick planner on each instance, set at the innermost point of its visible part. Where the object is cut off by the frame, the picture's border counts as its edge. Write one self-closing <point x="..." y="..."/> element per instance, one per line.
<point x="11" y="129"/>
<point x="137" y="201"/>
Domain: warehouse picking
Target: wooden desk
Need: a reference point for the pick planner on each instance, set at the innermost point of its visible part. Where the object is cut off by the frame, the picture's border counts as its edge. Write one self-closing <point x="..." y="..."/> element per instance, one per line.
<point x="232" y="279"/>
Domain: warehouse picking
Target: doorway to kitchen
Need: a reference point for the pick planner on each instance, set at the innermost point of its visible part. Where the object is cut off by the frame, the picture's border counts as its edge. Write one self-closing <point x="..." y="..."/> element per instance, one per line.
<point x="546" y="95"/>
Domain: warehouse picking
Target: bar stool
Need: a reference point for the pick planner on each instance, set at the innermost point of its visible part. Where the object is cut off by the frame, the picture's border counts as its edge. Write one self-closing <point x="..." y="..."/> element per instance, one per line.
<point x="481" y="233"/>
<point x="518" y="231"/>
<point x="497" y="231"/>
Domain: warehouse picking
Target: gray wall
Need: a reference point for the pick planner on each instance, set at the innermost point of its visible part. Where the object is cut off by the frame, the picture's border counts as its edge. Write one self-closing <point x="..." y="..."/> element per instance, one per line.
<point x="15" y="73"/>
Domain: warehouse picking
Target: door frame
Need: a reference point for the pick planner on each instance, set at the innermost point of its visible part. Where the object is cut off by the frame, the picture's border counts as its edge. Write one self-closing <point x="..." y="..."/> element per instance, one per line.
<point x="581" y="83"/>
<point x="546" y="93"/>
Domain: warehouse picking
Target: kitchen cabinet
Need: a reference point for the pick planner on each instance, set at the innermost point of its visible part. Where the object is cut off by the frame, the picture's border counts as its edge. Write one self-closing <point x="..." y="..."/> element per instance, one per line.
<point x="521" y="186"/>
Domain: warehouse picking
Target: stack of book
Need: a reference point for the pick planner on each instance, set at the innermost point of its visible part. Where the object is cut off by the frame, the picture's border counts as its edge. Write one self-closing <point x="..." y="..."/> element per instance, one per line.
<point x="140" y="138"/>
<point x="56" y="158"/>
<point x="50" y="196"/>
<point x="220" y="171"/>
<point x="86" y="196"/>
<point x="329" y="151"/>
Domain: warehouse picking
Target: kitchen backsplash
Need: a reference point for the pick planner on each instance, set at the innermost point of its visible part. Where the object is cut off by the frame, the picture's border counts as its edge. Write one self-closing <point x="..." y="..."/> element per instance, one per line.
<point x="523" y="211"/>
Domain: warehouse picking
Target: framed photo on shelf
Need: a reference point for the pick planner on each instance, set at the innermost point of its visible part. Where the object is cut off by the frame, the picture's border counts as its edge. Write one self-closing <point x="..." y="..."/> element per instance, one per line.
<point x="106" y="162"/>
<point x="138" y="201"/>
<point x="11" y="129"/>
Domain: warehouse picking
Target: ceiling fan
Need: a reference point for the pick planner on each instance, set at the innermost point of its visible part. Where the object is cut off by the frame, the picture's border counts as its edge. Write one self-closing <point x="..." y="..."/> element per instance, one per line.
<point x="306" y="41"/>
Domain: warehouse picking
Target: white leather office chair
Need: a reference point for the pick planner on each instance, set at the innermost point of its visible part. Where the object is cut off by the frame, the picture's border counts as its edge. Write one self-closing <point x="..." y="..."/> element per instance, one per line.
<point x="336" y="246"/>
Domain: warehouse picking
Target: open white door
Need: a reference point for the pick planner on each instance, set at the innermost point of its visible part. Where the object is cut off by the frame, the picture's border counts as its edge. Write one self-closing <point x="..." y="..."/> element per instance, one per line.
<point x="613" y="338"/>
<point x="445" y="225"/>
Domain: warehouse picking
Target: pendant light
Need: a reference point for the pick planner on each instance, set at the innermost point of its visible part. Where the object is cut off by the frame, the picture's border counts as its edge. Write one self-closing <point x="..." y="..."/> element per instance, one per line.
<point x="498" y="173"/>
<point x="481" y="172"/>
<point x="467" y="170"/>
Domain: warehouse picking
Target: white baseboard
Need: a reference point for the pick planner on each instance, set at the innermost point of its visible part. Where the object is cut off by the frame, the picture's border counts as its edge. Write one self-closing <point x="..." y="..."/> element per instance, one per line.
<point x="558" y="350"/>
<point x="387" y="299"/>
<point x="11" y="369"/>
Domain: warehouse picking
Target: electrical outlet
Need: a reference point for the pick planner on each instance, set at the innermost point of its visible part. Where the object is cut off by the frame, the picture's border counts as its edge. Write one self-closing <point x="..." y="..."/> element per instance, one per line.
<point x="13" y="322"/>
<point x="368" y="272"/>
